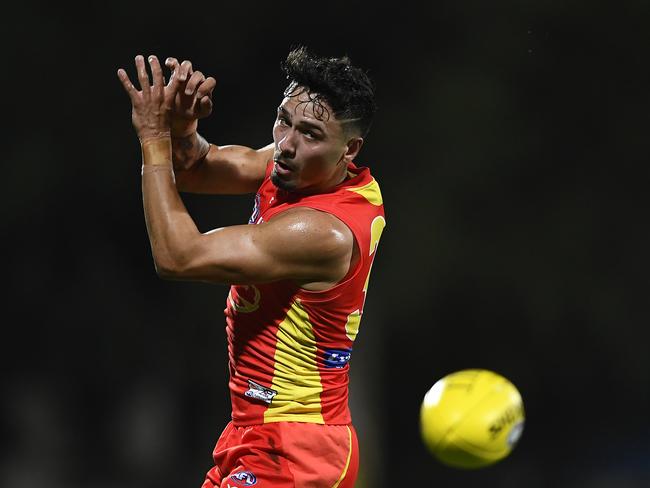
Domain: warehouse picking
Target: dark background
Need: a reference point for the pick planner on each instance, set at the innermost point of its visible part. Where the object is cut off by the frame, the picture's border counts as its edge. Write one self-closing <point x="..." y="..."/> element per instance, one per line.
<point x="511" y="146"/>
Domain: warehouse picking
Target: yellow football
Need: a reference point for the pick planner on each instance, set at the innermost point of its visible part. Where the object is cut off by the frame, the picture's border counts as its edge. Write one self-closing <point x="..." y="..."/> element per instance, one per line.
<point x="471" y="418"/>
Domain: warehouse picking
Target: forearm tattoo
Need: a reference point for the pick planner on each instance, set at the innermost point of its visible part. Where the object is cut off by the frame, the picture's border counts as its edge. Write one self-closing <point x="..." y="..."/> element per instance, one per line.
<point x="188" y="150"/>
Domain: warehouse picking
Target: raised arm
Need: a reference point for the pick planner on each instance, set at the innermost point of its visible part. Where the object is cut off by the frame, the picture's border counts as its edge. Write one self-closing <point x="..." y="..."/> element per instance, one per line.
<point x="312" y="248"/>
<point x="201" y="167"/>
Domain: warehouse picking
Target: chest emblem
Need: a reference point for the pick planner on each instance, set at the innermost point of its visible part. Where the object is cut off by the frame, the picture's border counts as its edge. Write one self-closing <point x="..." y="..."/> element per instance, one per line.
<point x="248" y="299"/>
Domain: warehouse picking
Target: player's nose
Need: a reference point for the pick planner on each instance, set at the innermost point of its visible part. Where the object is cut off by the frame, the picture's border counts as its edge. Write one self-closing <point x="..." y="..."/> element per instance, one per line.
<point x="287" y="145"/>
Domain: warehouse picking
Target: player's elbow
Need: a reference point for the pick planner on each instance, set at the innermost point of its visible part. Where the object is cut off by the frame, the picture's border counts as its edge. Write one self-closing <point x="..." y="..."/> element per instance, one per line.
<point x="164" y="272"/>
<point x="172" y="267"/>
<point x="187" y="266"/>
<point x="166" y="269"/>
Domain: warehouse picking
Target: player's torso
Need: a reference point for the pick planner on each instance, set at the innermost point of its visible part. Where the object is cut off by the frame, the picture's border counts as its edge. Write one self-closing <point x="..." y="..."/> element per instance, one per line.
<point x="289" y="348"/>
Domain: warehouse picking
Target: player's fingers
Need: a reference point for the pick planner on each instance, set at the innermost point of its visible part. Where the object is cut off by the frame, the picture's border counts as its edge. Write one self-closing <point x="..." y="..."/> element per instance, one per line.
<point x="172" y="88"/>
<point x="143" y="77"/>
<point x="206" y="87"/>
<point x="175" y="67"/>
<point x="156" y="74"/>
<point x="172" y="63"/>
<point x="128" y="86"/>
<point x="186" y="69"/>
<point x="192" y="84"/>
<point x="205" y="107"/>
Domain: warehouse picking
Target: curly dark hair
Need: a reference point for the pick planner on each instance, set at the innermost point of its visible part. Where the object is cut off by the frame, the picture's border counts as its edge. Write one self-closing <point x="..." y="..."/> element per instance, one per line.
<point x="346" y="88"/>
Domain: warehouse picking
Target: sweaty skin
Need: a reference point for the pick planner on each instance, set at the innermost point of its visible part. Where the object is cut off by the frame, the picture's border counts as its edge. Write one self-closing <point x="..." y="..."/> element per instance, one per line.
<point x="312" y="248"/>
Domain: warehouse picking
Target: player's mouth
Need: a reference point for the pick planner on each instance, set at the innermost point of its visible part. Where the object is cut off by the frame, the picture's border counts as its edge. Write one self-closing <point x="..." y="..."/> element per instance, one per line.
<point x="282" y="168"/>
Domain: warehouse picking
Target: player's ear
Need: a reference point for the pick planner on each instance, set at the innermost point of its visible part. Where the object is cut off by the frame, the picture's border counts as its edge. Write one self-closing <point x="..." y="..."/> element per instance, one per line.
<point x="352" y="148"/>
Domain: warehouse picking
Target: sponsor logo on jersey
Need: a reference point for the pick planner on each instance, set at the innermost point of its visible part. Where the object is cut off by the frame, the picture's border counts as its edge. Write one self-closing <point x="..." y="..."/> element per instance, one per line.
<point x="244" y="478"/>
<point x="256" y="210"/>
<point x="337" y="358"/>
<point x="259" y="392"/>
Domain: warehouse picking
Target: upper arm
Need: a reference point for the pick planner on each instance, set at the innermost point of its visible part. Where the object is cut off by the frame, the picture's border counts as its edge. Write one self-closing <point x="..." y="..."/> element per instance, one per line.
<point x="303" y="245"/>
<point x="227" y="170"/>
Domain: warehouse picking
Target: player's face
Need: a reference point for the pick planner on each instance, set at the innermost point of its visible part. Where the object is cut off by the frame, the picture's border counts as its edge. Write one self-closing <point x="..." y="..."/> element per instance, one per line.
<point x="311" y="147"/>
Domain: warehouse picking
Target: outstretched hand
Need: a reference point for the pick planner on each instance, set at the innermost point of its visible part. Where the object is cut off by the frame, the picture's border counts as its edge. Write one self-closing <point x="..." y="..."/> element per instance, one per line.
<point x="174" y="108"/>
<point x="193" y="98"/>
<point x="152" y="104"/>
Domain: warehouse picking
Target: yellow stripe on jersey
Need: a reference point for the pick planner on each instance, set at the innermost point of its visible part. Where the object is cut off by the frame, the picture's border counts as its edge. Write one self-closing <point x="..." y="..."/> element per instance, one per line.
<point x="370" y="192"/>
<point x="352" y="325"/>
<point x="296" y="377"/>
<point x="354" y="319"/>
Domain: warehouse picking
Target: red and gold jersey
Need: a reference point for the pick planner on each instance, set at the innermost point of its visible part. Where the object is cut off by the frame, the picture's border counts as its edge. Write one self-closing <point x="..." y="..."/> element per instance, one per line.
<point x="288" y="347"/>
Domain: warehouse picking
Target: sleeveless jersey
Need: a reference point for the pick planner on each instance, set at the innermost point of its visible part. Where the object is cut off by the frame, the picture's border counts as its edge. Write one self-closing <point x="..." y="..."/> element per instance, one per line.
<point x="288" y="347"/>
